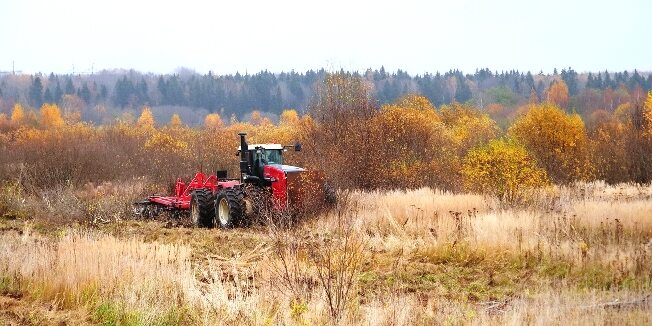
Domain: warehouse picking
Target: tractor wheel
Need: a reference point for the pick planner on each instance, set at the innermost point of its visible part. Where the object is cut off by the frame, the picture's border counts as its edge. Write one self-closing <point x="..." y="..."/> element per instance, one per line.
<point x="229" y="208"/>
<point x="201" y="208"/>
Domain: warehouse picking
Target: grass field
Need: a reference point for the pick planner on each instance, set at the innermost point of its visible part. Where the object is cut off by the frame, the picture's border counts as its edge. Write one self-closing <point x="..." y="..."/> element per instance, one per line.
<point x="574" y="255"/>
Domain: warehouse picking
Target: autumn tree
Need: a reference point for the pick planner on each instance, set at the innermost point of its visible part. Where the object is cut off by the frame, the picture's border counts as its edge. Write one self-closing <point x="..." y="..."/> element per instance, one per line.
<point x="18" y="114"/>
<point x="146" y="118"/>
<point x="468" y="127"/>
<point x="558" y="94"/>
<point x="289" y="117"/>
<point x="50" y="116"/>
<point x="413" y="136"/>
<point x="175" y="121"/>
<point x="342" y="108"/>
<point x="213" y="121"/>
<point x="557" y="140"/>
<point x="502" y="168"/>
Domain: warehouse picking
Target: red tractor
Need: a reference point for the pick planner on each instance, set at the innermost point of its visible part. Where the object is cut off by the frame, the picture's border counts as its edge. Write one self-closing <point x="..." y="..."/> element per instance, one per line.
<point x="264" y="181"/>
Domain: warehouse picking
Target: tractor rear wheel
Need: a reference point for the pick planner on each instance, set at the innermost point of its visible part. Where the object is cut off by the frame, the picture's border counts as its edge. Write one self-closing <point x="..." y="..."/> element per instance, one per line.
<point x="229" y="208"/>
<point x="202" y="209"/>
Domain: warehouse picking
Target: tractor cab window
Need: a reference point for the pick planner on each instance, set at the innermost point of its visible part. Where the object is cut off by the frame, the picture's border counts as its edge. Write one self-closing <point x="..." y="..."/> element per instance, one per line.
<point x="274" y="156"/>
<point x="269" y="156"/>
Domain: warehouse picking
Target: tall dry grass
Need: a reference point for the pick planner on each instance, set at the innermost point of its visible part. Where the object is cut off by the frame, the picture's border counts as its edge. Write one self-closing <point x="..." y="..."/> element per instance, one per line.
<point x="386" y="258"/>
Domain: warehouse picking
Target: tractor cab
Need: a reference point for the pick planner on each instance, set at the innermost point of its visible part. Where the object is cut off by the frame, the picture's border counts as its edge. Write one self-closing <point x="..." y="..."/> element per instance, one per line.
<point x="257" y="156"/>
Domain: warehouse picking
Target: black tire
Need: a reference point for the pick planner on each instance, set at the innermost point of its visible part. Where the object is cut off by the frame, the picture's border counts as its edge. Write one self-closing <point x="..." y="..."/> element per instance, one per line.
<point x="229" y="208"/>
<point x="202" y="208"/>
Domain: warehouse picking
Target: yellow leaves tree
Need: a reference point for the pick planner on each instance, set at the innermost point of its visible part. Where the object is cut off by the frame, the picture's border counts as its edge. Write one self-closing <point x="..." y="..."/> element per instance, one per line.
<point x="647" y="116"/>
<point x="413" y="101"/>
<point x="50" y="116"/>
<point x="18" y="114"/>
<point x="289" y="117"/>
<point x="468" y="126"/>
<point x="175" y="121"/>
<point x="213" y="121"/>
<point x="146" y="119"/>
<point x="557" y="140"/>
<point x="413" y="134"/>
<point x="558" y="93"/>
<point x="256" y="118"/>
<point x="504" y="169"/>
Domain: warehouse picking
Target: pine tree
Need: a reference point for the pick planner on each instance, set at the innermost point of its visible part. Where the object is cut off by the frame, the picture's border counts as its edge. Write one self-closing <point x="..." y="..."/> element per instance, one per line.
<point x="36" y="93"/>
<point x="47" y="96"/>
<point x="85" y="94"/>
<point x="58" y="93"/>
<point x="70" y="88"/>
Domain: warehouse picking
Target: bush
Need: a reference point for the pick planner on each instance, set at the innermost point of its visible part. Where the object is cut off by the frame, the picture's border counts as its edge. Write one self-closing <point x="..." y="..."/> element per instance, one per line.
<point x="504" y="169"/>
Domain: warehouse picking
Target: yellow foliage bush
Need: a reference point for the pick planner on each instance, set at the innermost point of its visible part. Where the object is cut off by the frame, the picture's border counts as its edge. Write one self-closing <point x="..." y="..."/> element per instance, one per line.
<point x="50" y="116"/>
<point x="557" y="140"/>
<point x="17" y="115"/>
<point x="213" y="121"/>
<point x="502" y="168"/>
<point x="175" y="121"/>
<point x="146" y="119"/>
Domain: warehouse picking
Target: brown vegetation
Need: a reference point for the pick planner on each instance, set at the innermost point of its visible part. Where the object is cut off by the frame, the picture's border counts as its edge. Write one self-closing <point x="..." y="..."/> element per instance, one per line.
<point x="535" y="239"/>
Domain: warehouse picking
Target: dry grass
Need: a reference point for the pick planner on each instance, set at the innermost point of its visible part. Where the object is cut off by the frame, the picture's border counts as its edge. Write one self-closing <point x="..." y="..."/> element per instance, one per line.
<point x="394" y="258"/>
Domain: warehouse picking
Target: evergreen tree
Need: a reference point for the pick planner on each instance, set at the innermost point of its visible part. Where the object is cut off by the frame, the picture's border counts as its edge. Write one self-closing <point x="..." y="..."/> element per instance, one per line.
<point x="36" y="93"/>
<point x="85" y="94"/>
<point x="47" y="96"/>
<point x="570" y="78"/>
<point x="58" y="93"/>
<point x="463" y="91"/>
<point x="142" y="91"/>
<point x="70" y="88"/>
<point x="104" y="93"/>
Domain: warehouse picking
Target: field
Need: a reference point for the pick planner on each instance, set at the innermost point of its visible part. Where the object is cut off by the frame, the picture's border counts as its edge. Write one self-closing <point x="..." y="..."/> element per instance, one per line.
<point x="580" y="254"/>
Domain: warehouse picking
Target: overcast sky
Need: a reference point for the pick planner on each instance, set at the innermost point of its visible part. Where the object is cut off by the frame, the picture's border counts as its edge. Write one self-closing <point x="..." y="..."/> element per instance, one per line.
<point x="249" y="36"/>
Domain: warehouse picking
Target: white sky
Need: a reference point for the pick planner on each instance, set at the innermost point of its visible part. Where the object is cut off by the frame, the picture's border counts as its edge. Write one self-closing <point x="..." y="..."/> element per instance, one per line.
<point x="416" y="36"/>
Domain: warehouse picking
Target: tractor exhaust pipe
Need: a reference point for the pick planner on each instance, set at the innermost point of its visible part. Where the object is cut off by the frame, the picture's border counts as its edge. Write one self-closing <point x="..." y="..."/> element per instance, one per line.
<point x="244" y="158"/>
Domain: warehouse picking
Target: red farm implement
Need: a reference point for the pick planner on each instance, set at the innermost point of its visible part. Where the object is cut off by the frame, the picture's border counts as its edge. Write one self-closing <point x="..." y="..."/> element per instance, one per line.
<point x="218" y="201"/>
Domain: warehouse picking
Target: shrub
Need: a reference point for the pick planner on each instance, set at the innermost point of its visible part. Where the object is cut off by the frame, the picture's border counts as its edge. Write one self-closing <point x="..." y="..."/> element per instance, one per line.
<point x="502" y="168"/>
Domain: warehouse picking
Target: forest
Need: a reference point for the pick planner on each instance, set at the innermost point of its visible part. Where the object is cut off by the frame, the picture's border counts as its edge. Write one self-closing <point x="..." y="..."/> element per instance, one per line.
<point x="103" y="96"/>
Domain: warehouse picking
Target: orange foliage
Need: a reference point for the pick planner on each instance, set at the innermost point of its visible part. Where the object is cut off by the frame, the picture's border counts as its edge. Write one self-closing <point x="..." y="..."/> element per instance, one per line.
<point x="17" y="115"/>
<point x="289" y="117"/>
<point x="647" y="116"/>
<point x="175" y="121"/>
<point x="213" y="121"/>
<point x="50" y="116"/>
<point x="557" y="140"/>
<point x="558" y="93"/>
<point x="146" y="118"/>
<point x="256" y="118"/>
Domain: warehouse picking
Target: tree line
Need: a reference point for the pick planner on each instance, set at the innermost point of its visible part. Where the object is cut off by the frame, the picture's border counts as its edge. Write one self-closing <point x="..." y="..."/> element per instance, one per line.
<point x="238" y="94"/>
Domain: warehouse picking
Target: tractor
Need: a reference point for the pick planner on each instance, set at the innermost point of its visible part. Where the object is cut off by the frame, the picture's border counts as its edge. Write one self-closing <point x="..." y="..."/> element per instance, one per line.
<point x="265" y="183"/>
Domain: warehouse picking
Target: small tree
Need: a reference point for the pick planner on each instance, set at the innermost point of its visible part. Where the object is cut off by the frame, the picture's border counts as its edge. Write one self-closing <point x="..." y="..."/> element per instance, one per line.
<point x="18" y="114"/>
<point x="213" y="121"/>
<point x="557" y="140"/>
<point x="289" y="117"/>
<point x="146" y="118"/>
<point x="51" y="116"/>
<point x="175" y="121"/>
<point x="558" y="93"/>
<point x="504" y="169"/>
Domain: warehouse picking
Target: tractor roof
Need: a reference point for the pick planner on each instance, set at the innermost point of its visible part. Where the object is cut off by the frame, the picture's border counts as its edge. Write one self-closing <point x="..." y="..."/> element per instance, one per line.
<point x="265" y="146"/>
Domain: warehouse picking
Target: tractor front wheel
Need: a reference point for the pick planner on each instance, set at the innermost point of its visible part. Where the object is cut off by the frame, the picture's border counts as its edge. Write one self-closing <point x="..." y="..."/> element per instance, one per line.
<point x="229" y="208"/>
<point x="201" y="208"/>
